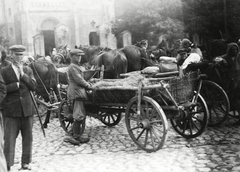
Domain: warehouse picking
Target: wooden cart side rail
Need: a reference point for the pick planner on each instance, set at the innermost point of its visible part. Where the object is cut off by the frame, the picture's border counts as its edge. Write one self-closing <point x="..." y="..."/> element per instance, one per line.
<point x="107" y="104"/>
<point x="159" y="85"/>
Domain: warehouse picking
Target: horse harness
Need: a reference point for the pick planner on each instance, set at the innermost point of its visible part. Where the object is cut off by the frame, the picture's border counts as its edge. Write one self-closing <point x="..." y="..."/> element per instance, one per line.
<point x="45" y="88"/>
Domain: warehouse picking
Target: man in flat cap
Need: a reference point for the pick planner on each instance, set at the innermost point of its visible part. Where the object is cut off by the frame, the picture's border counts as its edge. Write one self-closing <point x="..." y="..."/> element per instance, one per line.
<point x="18" y="107"/>
<point x="76" y="94"/>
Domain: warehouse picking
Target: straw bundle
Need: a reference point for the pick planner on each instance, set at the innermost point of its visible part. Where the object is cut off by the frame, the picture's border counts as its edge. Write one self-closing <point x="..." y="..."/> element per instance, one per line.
<point x="128" y="82"/>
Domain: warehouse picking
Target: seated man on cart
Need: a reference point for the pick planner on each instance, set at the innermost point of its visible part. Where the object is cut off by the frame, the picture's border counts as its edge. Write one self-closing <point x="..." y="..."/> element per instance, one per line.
<point x="76" y="93"/>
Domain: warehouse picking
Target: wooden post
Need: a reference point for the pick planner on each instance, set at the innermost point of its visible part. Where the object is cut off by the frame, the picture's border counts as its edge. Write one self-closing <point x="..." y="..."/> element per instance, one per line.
<point x="102" y="72"/>
<point x="140" y="85"/>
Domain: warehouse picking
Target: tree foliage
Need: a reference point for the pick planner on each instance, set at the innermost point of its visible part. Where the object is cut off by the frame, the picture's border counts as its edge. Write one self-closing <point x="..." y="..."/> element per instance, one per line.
<point x="216" y="19"/>
<point x="150" y="19"/>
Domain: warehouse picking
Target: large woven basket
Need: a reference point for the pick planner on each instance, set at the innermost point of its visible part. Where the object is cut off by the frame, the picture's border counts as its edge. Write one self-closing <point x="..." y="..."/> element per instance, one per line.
<point x="181" y="89"/>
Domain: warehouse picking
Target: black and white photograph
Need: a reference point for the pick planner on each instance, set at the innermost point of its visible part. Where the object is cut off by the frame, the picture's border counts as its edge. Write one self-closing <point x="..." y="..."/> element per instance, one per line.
<point x="120" y="85"/>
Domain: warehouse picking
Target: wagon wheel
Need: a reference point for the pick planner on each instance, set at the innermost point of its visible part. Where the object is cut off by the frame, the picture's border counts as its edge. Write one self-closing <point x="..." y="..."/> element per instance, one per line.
<point x="149" y="131"/>
<point x="192" y="121"/>
<point x="217" y="102"/>
<point x="110" y="118"/>
<point x="66" y="118"/>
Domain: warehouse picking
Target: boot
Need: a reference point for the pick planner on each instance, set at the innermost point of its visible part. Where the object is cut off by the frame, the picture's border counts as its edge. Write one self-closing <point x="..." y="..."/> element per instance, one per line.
<point x="71" y="140"/>
<point x="83" y="139"/>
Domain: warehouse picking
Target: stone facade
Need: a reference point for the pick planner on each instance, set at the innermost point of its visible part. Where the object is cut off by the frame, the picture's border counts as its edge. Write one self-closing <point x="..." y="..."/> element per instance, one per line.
<point x="43" y="25"/>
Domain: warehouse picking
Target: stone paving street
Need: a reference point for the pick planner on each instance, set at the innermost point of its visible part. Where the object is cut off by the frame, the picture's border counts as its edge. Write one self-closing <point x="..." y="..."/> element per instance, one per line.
<point x="112" y="150"/>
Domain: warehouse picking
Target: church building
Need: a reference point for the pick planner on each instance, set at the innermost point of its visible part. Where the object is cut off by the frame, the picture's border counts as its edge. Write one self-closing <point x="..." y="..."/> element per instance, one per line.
<point x="42" y="25"/>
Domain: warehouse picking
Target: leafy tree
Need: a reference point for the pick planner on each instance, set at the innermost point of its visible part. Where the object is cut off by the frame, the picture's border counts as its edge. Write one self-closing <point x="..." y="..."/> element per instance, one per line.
<point x="150" y="19"/>
<point x="215" y="19"/>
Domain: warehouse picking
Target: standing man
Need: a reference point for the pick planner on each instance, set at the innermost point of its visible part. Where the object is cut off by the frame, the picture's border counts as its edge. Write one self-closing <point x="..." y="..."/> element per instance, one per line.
<point x="18" y="107"/>
<point x="3" y="167"/>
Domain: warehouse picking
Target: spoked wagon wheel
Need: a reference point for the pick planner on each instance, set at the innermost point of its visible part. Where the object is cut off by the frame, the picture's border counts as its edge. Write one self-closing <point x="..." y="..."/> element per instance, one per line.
<point x="192" y="121"/>
<point x="110" y="118"/>
<point x="217" y="102"/>
<point x="66" y="118"/>
<point x="149" y="130"/>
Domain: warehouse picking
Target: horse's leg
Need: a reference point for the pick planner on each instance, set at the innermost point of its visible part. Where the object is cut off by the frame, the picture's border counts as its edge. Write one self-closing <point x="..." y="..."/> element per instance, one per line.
<point x="47" y="119"/>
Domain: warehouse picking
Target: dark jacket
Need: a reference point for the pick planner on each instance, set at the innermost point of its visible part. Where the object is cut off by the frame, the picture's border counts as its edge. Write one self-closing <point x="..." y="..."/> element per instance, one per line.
<point x="77" y="84"/>
<point x="18" y="98"/>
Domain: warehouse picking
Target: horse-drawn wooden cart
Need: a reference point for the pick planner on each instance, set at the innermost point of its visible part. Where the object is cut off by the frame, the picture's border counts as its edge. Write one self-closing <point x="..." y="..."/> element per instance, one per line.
<point x="147" y="106"/>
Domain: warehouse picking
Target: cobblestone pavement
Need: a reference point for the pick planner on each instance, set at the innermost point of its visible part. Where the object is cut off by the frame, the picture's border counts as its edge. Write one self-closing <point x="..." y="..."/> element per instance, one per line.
<point x="112" y="150"/>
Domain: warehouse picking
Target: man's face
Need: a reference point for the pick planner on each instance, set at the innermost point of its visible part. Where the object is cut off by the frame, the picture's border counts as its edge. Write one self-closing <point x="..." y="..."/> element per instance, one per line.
<point x="233" y="51"/>
<point x="77" y="58"/>
<point x="17" y="57"/>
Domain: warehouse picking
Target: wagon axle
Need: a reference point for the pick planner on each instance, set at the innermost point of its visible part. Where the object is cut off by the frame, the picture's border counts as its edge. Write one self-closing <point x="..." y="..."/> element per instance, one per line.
<point x="145" y="124"/>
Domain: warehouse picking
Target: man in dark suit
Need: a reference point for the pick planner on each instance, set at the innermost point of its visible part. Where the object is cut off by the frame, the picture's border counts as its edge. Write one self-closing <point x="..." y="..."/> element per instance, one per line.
<point x="18" y="107"/>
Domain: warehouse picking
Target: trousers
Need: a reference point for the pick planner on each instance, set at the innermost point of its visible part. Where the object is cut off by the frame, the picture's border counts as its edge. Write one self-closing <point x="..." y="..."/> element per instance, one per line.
<point x="12" y="127"/>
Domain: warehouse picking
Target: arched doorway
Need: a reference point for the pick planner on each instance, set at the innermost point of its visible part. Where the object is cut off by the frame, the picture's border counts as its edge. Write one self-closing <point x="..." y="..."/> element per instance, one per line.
<point x="47" y="28"/>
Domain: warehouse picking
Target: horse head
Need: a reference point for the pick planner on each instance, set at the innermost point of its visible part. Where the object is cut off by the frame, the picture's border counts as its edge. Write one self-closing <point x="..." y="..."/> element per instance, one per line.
<point x="90" y="53"/>
<point x="62" y="56"/>
<point x="142" y="44"/>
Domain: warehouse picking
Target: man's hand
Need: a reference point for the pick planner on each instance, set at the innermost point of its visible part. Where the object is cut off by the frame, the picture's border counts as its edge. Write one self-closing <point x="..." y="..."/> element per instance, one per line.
<point x="89" y="87"/>
<point x="20" y="67"/>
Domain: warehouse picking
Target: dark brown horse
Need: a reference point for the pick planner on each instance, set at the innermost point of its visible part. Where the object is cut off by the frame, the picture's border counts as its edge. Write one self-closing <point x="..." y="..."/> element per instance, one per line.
<point x="137" y="58"/>
<point x="114" y="61"/>
<point x="46" y="75"/>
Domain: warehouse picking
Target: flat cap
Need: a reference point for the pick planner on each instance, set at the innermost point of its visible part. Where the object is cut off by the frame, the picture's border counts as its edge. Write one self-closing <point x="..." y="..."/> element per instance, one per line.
<point x="76" y="52"/>
<point x="17" y="48"/>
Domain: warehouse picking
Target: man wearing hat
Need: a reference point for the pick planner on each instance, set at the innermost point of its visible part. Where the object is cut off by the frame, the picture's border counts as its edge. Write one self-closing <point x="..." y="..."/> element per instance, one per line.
<point x="18" y="107"/>
<point x="76" y="94"/>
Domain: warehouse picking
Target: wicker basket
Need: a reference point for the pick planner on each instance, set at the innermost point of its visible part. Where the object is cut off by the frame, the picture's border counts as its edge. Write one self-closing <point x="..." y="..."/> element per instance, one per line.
<point x="181" y="89"/>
